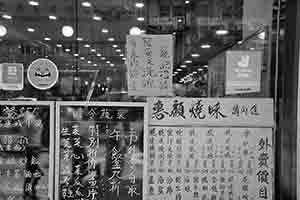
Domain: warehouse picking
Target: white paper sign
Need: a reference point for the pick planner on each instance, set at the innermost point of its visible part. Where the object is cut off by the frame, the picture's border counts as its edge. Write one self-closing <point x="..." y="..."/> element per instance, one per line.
<point x="208" y="163"/>
<point x="150" y="65"/>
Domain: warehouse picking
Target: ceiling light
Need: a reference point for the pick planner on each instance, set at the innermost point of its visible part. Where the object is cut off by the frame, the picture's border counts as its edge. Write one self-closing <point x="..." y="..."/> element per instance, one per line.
<point x="86" y="4"/>
<point x="97" y="18"/>
<point x="179" y="70"/>
<point x="240" y="42"/>
<point x="188" y="61"/>
<point x="135" y="31"/>
<point x="123" y="58"/>
<point x="205" y="46"/>
<point x="95" y="65"/>
<point x="93" y="50"/>
<point x="108" y="62"/>
<point x="195" y="55"/>
<point x="112" y="65"/>
<point x="33" y="3"/>
<point x="194" y="72"/>
<point x="47" y="38"/>
<point x="180" y="20"/>
<point x="3" y="30"/>
<point x="98" y="54"/>
<point x="141" y="19"/>
<point x="176" y="72"/>
<point x="115" y="46"/>
<point x="206" y="66"/>
<point x="89" y="61"/>
<point x="52" y="17"/>
<point x="183" y="66"/>
<point x="118" y="50"/>
<point x="67" y="31"/>
<point x="76" y="54"/>
<point x="187" y="2"/>
<point x="30" y="30"/>
<point x="5" y="16"/>
<point x="252" y="48"/>
<point x="104" y="30"/>
<point x="79" y="39"/>
<point x="139" y="5"/>
<point x="87" y="46"/>
<point x="200" y="69"/>
<point x="86" y="82"/>
<point x="111" y="39"/>
<point x="67" y="50"/>
<point x="82" y="58"/>
<point x="121" y="55"/>
<point x="59" y="45"/>
<point x="222" y="32"/>
<point x="103" y="58"/>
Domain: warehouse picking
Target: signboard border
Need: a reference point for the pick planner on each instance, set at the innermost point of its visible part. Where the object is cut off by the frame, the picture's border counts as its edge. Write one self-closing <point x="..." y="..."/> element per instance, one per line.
<point x="58" y="106"/>
<point x="51" y="136"/>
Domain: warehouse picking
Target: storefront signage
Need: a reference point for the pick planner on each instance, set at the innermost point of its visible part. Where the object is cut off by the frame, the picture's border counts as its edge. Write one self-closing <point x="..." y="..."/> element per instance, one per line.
<point x="99" y="150"/>
<point x="211" y="111"/>
<point x="243" y="72"/>
<point x="11" y="76"/>
<point x="42" y="74"/>
<point x="150" y="65"/>
<point x="26" y="153"/>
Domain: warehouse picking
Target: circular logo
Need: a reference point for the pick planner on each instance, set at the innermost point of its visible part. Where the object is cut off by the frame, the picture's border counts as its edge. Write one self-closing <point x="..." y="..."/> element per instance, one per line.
<point x="42" y="74"/>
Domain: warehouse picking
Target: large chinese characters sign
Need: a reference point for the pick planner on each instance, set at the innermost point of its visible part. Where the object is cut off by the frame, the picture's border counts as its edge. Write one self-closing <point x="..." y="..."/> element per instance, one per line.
<point x="26" y="152"/>
<point x="211" y="159"/>
<point x="100" y="150"/>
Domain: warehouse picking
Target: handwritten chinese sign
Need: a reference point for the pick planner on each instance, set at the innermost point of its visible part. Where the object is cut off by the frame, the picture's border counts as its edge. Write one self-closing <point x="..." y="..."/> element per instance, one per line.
<point x="209" y="163"/>
<point x="26" y="163"/>
<point x="211" y="112"/>
<point x="100" y="150"/>
<point x="150" y="65"/>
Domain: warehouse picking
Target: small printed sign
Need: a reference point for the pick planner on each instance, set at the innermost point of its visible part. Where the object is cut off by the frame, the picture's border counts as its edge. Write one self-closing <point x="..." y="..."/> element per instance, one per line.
<point x="42" y="74"/>
<point x="11" y="76"/>
<point x="243" y="71"/>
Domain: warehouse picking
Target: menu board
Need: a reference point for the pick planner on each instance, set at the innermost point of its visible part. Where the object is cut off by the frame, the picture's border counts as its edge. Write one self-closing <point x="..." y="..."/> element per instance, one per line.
<point x="99" y="150"/>
<point x="192" y="153"/>
<point x="26" y="153"/>
<point x="150" y="65"/>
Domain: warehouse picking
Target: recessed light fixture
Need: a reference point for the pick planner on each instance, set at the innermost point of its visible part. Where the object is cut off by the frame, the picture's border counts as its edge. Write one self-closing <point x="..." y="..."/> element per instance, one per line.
<point x="195" y="72"/>
<point x="86" y="4"/>
<point x="89" y="61"/>
<point x="33" y="3"/>
<point x="135" y="31"/>
<point x="180" y="20"/>
<point x="79" y="39"/>
<point x="111" y="39"/>
<point x="121" y="55"/>
<point x="252" y="48"/>
<point x="52" y="17"/>
<point x="82" y="58"/>
<point x="93" y="50"/>
<point x="179" y="70"/>
<point x="115" y="46"/>
<point x="118" y="50"/>
<point x="103" y="58"/>
<point x="200" y="69"/>
<point x="95" y="65"/>
<point x="87" y="46"/>
<point x="195" y="55"/>
<point x="3" y="31"/>
<point x="141" y="19"/>
<point x="187" y="2"/>
<point x="97" y="18"/>
<point x="183" y="66"/>
<point x="205" y="46"/>
<point x="205" y="66"/>
<point x="67" y="50"/>
<point x="176" y="72"/>
<point x="47" y="39"/>
<point x="98" y="54"/>
<point x="188" y="61"/>
<point x="123" y="58"/>
<point x="76" y="54"/>
<point x="5" y="16"/>
<point x="30" y="30"/>
<point x="59" y="45"/>
<point x="112" y="65"/>
<point x="104" y="30"/>
<point x="108" y="62"/>
<point x="222" y="32"/>
<point x="67" y="31"/>
<point x="139" y="5"/>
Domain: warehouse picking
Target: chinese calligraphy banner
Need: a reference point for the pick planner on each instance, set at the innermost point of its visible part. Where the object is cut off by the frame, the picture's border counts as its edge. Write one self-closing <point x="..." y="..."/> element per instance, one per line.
<point x="208" y="163"/>
<point x="150" y="65"/>
<point x="211" y="112"/>
<point x="26" y="150"/>
<point x="99" y="150"/>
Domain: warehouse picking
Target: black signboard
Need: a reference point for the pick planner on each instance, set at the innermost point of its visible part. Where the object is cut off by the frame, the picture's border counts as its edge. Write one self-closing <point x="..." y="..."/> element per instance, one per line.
<point x="26" y="153"/>
<point x="99" y="150"/>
